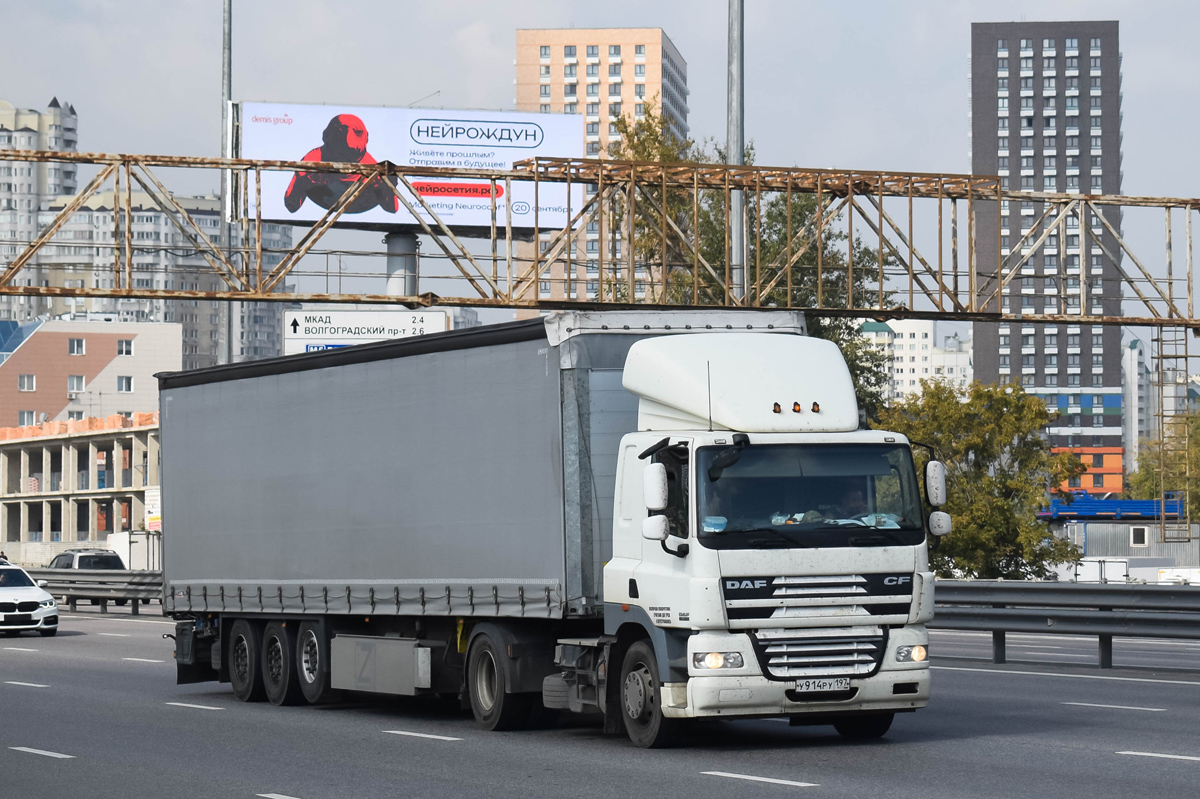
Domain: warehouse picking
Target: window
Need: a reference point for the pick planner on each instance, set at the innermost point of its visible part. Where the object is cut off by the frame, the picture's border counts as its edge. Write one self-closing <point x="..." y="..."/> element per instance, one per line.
<point x="1051" y="340"/>
<point x="26" y="382"/>
<point x="593" y="90"/>
<point x="1095" y="44"/>
<point x="1050" y="164"/>
<point x="1072" y="163"/>
<point x="593" y="109"/>
<point x="593" y="51"/>
<point x="1047" y="84"/>
<point x="1138" y="537"/>
<point x="614" y="90"/>
<point x="639" y="49"/>
<point x="1095" y="142"/>
<point x="614" y="70"/>
<point x="569" y="90"/>
<point x="1002" y="123"/>
<point x="1026" y="64"/>
<point x="1004" y="360"/>
<point x="569" y="70"/>
<point x="639" y="109"/>
<point x="125" y="346"/>
<point x="544" y="108"/>
<point x="1051" y="361"/>
<point x="74" y="416"/>
<point x="1096" y="83"/>
<point x="569" y="51"/>
<point x="1002" y="143"/>
<point x="25" y="418"/>
<point x="1002" y="63"/>
<point x="1027" y="103"/>
<point x="1072" y="142"/>
<point x="612" y="129"/>
<point x="1027" y="44"/>
<point x="1071" y="44"/>
<point x="1002" y="104"/>
<point x="614" y="109"/>
<point x="593" y="129"/>
<point x="1048" y="63"/>
<point x="1027" y="84"/>
<point x="124" y="384"/>
<point x="1049" y="103"/>
<point x="1047" y="44"/>
<point x="593" y="70"/>
<point x="545" y="51"/>
<point x="1001" y="45"/>
<point x="1004" y="341"/>
<point x="1097" y="185"/>
<point x="614" y="50"/>
<point x="639" y="90"/>
<point x="1049" y="143"/>
<point x="1097" y="341"/>
<point x="544" y="70"/>
<point x="545" y="90"/>
<point x="593" y="148"/>
<point x="1072" y="62"/>
<point x="1002" y="162"/>
<point x="75" y="384"/>
<point x="1096" y="102"/>
<point x="75" y="346"/>
<point x="1072" y="103"/>
<point x="1094" y="63"/>
<point x="639" y="70"/>
<point x="1073" y="341"/>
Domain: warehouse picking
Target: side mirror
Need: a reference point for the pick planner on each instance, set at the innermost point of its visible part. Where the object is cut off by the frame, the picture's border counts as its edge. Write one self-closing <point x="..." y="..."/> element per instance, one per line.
<point x="654" y="528"/>
<point x="42" y="583"/>
<point x="935" y="483"/>
<point x="939" y="523"/>
<point x="654" y="486"/>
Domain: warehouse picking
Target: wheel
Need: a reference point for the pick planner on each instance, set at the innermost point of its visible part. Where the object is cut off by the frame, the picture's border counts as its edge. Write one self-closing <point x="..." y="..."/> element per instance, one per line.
<point x="861" y="728"/>
<point x="280" y="680"/>
<point x="641" y="693"/>
<point x="494" y="709"/>
<point x="49" y="632"/>
<point x="245" y="676"/>
<point x="312" y="664"/>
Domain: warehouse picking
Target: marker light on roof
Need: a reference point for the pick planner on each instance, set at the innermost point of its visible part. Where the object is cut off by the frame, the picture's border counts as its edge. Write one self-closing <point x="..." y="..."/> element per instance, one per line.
<point x="816" y="407"/>
<point x="777" y="409"/>
<point x="795" y="407"/>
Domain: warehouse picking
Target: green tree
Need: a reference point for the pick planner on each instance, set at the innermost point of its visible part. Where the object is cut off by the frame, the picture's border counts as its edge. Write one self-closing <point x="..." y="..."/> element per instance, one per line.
<point x="999" y="470"/>
<point x="1182" y="436"/>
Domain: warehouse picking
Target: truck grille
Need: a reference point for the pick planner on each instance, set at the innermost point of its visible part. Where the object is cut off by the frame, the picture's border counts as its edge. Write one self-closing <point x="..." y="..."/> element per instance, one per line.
<point x="817" y="600"/>
<point x="820" y="652"/>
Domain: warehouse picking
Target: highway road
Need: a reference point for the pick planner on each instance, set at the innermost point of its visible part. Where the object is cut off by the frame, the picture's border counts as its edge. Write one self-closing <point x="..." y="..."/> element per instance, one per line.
<point x="95" y="713"/>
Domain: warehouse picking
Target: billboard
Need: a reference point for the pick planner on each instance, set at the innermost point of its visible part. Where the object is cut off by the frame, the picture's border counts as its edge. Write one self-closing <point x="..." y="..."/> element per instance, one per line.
<point x="419" y="137"/>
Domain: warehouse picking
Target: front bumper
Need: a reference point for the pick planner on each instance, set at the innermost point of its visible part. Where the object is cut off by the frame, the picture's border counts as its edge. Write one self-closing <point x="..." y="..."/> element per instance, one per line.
<point x="40" y="619"/>
<point x="707" y="697"/>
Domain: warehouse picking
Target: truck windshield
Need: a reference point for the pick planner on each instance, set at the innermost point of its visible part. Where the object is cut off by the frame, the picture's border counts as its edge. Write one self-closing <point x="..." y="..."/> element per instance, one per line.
<point x="808" y="495"/>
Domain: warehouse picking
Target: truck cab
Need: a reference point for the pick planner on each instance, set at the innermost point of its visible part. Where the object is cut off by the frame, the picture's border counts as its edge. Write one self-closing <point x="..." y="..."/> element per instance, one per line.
<point x="769" y="557"/>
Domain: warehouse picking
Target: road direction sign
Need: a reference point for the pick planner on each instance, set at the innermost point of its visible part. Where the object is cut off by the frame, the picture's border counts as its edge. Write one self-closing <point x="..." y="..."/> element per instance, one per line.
<point x="312" y="331"/>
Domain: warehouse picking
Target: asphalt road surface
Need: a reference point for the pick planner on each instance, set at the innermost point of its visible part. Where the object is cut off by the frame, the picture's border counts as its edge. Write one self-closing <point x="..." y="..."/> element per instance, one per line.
<point x="94" y="712"/>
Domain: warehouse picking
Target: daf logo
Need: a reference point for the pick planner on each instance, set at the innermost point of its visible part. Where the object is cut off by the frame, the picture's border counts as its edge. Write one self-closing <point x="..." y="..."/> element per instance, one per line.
<point x="733" y="585"/>
<point x="896" y="580"/>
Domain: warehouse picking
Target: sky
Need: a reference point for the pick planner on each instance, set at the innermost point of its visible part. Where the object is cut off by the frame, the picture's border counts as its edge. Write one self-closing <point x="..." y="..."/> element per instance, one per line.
<point x="865" y="85"/>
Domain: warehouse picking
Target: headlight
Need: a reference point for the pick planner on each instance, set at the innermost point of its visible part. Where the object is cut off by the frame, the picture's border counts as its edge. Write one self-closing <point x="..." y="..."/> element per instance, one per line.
<point x="912" y="654"/>
<point x="46" y="603"/>
<point x="717" y="660"/>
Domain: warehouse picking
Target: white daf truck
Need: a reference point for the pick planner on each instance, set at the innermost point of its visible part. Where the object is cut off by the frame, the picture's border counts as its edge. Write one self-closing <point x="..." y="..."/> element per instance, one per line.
<point x="658" y="517"/>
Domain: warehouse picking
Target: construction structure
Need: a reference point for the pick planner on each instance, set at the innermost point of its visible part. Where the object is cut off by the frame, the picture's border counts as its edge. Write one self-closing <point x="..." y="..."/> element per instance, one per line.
<point x="67" y="484"/>
<point x="832" y="242"/>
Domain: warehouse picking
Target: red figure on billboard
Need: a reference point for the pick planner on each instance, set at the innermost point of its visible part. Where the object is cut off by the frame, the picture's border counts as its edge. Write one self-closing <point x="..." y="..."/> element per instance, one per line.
<point x="344" y="141"/>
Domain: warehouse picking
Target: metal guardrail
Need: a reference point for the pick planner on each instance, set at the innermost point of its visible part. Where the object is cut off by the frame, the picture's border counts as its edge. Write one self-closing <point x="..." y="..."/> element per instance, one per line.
<point x="102" y="585"/>
<point x="1105" y="611"/>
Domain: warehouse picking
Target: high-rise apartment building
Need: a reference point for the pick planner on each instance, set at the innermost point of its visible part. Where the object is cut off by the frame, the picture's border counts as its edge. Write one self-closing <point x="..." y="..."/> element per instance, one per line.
<point x="917" y="350"/>
<point x="603" y="74"/>
<point x="1046" y="116"/>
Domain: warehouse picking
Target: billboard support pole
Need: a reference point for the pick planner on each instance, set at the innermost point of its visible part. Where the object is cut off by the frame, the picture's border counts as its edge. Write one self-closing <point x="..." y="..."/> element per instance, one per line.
<point x="401" y="264"/>
<point x="735" y="147"/>
<point x="231" y="308"/>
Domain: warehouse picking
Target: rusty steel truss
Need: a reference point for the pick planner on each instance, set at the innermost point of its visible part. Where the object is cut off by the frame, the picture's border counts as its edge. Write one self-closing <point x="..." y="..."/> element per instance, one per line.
<point x="922" y="234"/>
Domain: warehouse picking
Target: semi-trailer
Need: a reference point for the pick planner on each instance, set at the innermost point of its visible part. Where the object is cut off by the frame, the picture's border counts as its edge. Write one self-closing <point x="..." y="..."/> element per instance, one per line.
<point x="655" y="516"/>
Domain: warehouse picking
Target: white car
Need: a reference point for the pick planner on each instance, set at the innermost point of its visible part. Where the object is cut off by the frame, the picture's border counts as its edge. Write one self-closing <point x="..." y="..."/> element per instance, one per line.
<point x="24" y="605"/>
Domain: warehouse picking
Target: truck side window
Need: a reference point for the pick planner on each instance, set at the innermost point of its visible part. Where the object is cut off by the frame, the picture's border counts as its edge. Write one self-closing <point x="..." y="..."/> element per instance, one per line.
<point x="675" y="459"/>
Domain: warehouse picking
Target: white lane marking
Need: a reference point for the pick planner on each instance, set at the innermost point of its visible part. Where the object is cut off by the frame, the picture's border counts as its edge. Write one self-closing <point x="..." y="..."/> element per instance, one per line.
<point x="26" y="684"/>
<point x="197" y="707"/>
<point x="761" y="779"/>
<point x="43" y="752"/>
<point x="115" y="635"/>
<point x="274" y="796"/>
<point x="19" y="649"/>
<point x="422" y="735"/>
<point x="117" y="618"/>
<point x="1117" y="707"/>
<point x="1076" y="676"/>
<point x="1160" y="754"/>
<point x="144" y="660"/>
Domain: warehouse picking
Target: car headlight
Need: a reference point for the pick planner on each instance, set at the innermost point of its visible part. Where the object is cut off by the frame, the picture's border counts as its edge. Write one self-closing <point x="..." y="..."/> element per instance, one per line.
<point x="46" y="603"/>
<point x="717" y="660"/>
<point x="912" y="654"/>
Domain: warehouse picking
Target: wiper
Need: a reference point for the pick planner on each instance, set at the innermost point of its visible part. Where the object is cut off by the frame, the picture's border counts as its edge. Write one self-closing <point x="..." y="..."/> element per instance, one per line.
<point x="879" y="536"/>
<point x="776" y="532"/>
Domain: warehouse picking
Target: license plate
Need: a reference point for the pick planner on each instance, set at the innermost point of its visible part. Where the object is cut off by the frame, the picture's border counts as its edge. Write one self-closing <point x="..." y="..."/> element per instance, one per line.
<point x="820" y="686"/>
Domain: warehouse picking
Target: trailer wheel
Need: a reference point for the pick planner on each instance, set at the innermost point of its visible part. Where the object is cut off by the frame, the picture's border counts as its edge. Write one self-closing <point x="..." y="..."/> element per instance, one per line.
<point x="312" y="664"/>
<point x="245" y="676"/>
<point x="641" y="700"/>
<point x="494" y="709"/>
<point x="862" y="728"/>
<point x="280" y="680"/>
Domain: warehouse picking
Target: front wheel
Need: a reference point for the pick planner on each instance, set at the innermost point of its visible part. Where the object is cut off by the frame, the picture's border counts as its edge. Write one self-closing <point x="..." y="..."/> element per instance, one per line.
<point x="493" y="706"/>
<point x="641" y="700"/>
<point x="862" y="728"/>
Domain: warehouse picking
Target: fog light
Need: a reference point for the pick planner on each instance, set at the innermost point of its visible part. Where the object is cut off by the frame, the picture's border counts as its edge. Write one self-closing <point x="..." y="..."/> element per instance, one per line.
<point x="912" y="654"/>
<point x="717" y="660"/>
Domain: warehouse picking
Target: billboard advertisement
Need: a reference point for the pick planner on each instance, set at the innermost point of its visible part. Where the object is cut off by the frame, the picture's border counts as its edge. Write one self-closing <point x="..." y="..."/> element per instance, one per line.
<point x="418" y="137"/>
